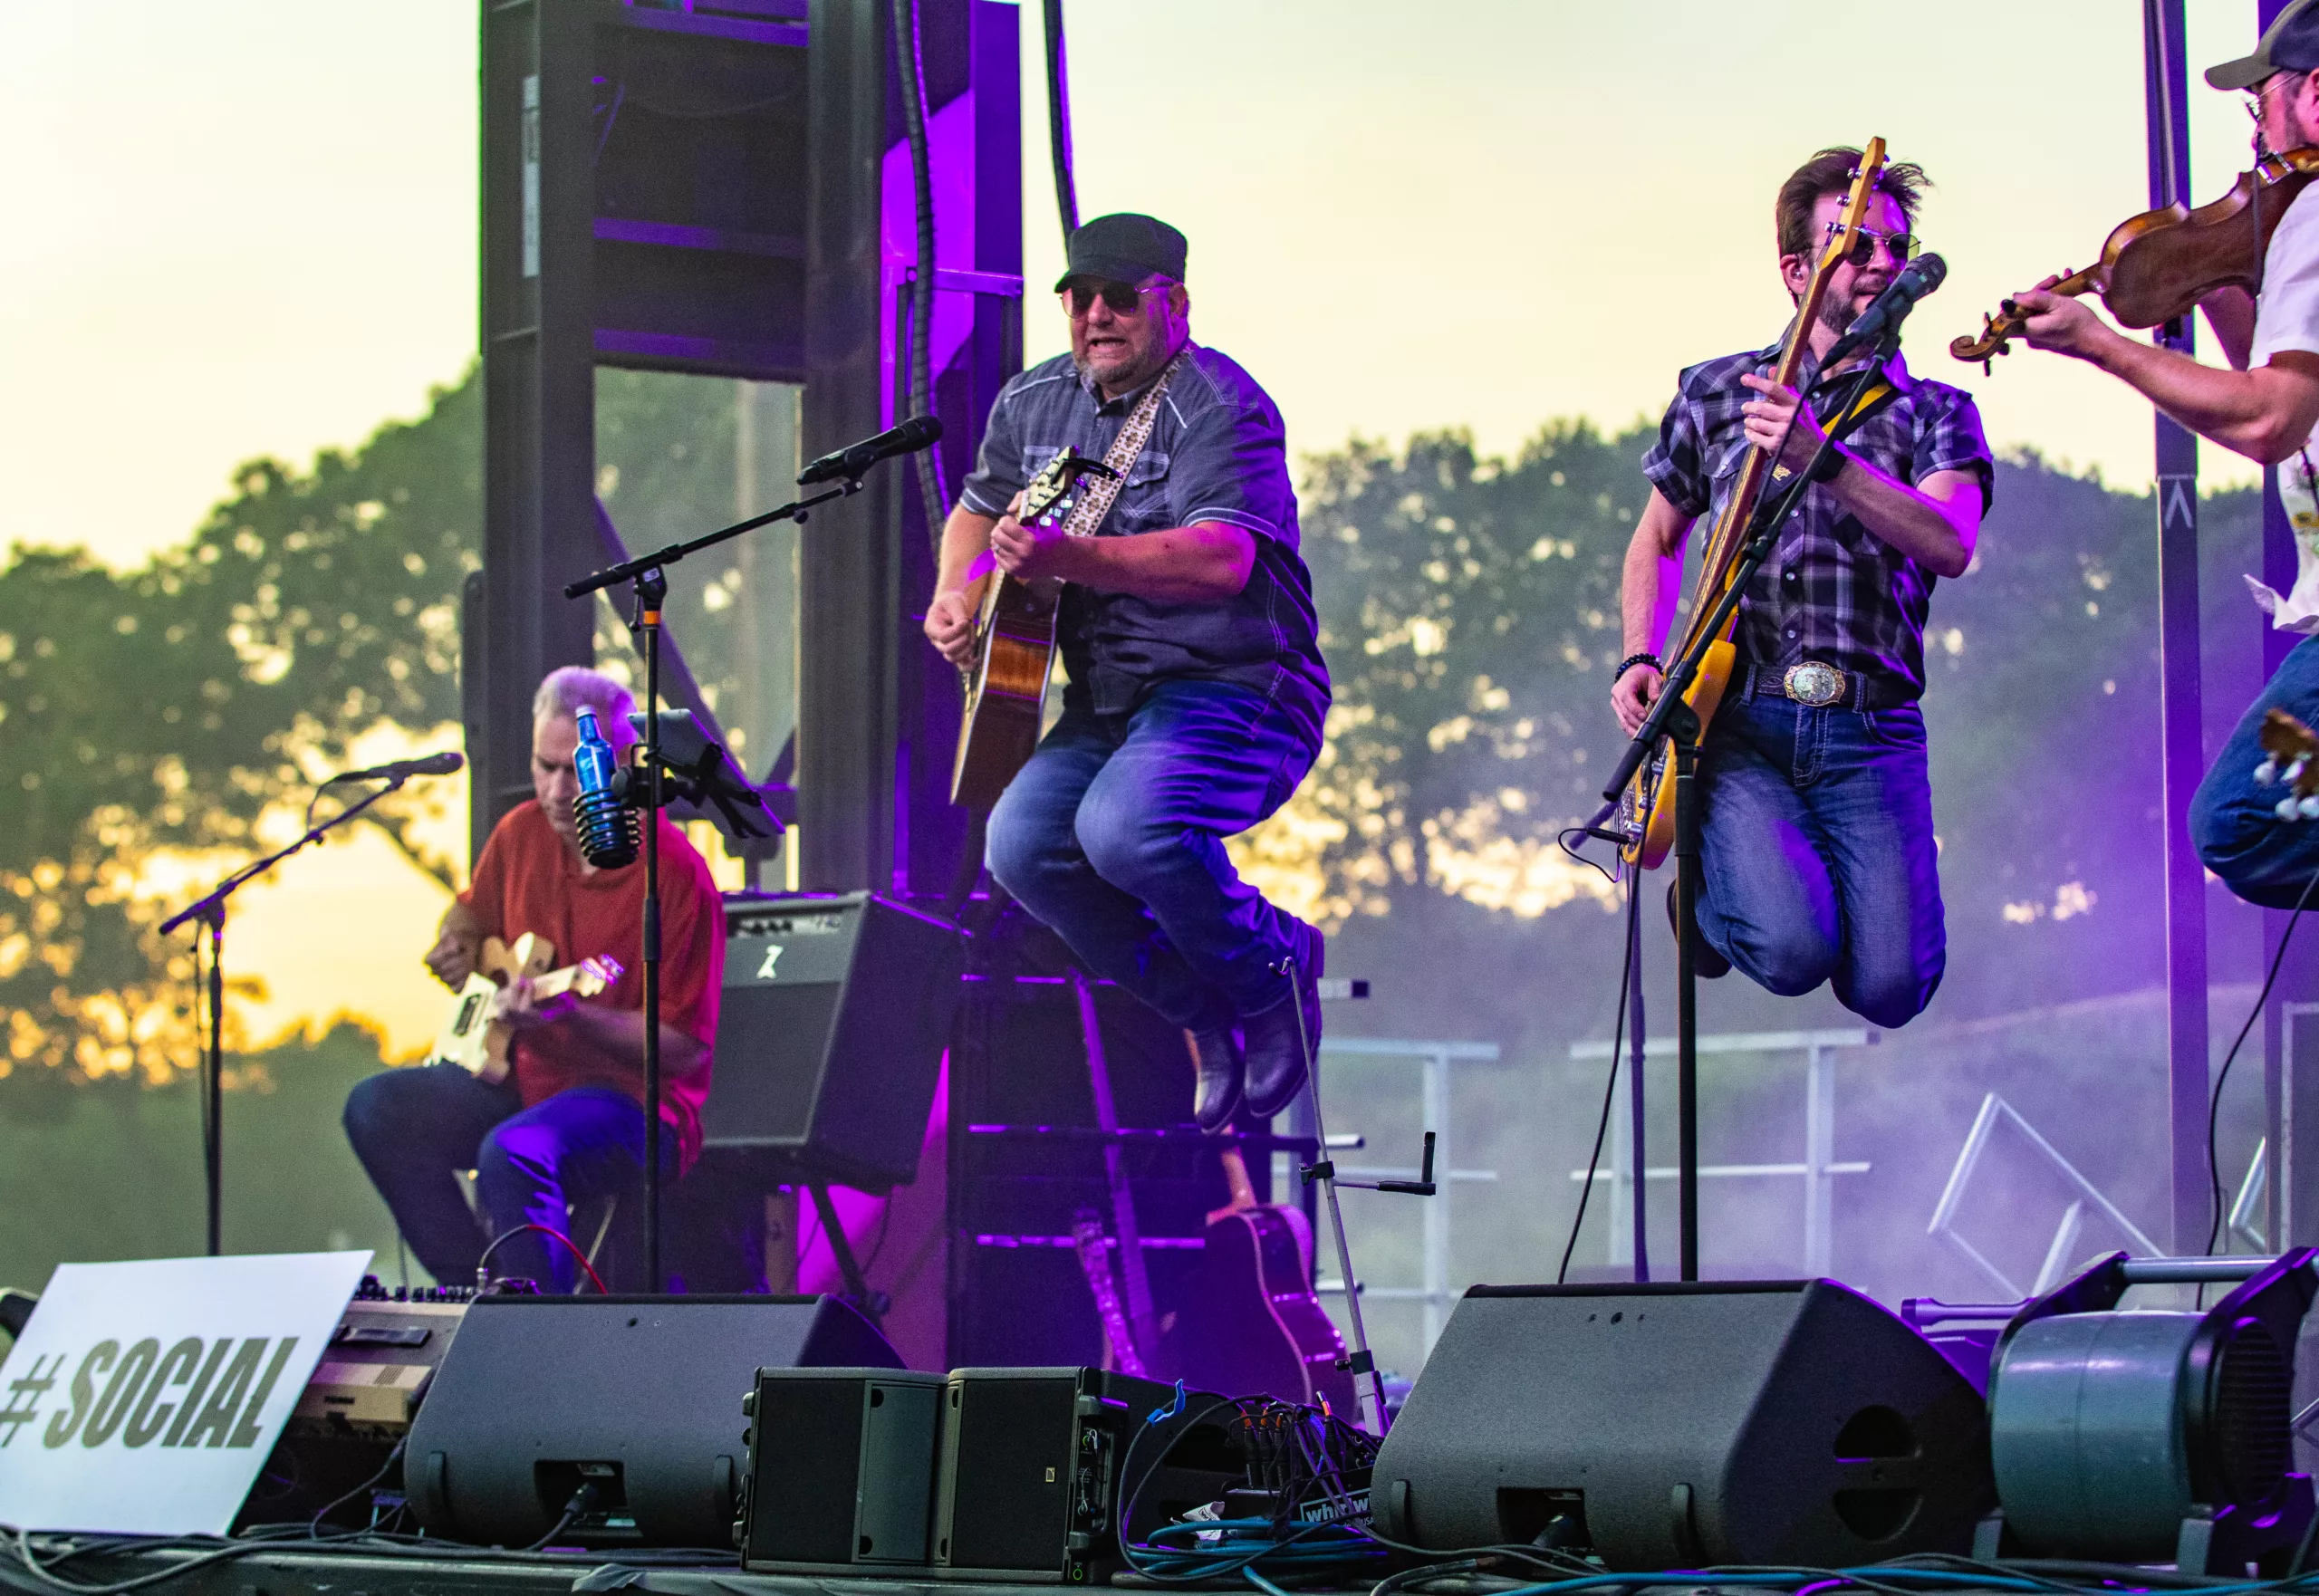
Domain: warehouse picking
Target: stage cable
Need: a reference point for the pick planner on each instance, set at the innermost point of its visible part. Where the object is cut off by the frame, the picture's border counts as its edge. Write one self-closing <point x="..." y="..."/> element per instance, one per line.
<point x="1610" y="1082"/>
<point x="917" y="329"/>
<point x="1067" y="187"/>
<point x="2222" y="1076"/>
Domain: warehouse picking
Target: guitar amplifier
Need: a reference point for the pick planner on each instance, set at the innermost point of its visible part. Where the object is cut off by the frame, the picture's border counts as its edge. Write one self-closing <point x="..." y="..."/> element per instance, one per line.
<point x="833" y="1019"/>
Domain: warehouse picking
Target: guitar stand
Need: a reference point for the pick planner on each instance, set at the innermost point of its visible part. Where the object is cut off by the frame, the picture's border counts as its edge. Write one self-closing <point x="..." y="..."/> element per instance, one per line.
<point x="1363" y="1363"/>
<point x="1673" y="720"/>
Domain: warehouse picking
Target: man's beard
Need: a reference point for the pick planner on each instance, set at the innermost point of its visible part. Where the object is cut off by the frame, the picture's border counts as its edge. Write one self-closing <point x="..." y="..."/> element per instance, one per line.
<point x="1837" y="314"/>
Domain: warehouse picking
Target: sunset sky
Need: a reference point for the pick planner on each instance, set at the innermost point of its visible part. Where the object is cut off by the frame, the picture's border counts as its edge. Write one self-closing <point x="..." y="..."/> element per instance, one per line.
<point x="249" y="228"/>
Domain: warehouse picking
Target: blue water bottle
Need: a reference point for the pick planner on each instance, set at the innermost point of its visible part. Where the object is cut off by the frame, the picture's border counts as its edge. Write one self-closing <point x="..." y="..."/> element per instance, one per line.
<point x="608" y="833"/>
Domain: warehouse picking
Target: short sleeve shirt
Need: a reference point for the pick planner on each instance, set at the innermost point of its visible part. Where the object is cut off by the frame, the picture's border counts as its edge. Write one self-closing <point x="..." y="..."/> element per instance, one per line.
<point x="1217" y="452"/>
<point x="1832" y="591"/>
<point x="528" y="881"/>
<point x="2286" y="316"/>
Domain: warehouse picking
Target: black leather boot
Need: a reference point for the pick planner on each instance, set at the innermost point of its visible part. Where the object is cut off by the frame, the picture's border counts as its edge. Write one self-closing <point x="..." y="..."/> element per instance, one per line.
<point x="1279" y="1041"/>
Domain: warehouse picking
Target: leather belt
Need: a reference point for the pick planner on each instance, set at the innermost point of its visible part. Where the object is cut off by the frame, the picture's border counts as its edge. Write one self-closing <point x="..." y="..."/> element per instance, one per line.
<point x="1820" y="686"/>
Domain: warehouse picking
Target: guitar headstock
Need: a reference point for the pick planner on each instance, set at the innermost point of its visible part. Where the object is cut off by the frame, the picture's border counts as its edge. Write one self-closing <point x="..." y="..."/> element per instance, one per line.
<point x="2288" y="747"/>
<point x="1053" y="491"/>
<point x="1864" y="179"/>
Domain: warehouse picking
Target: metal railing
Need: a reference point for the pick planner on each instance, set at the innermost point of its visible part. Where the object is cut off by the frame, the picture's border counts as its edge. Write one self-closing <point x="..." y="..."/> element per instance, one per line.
<point x="1818" y="1170"/>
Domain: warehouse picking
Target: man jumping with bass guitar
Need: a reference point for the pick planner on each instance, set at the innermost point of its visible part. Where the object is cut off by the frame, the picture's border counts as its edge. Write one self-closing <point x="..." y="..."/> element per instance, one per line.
<point x="2265" y="407"/>
<point x="567" y="1122"/>
<point x="1196" y="689"/>
<point x="1818" y="859"/>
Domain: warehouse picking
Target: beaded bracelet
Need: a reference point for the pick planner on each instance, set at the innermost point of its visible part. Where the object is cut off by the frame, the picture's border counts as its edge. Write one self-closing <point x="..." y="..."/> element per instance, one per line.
<point x="1631" y="661"/>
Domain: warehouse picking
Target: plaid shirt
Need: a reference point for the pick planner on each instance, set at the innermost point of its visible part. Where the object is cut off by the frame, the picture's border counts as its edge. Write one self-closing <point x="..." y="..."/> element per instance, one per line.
<point x="1832" y="591"/>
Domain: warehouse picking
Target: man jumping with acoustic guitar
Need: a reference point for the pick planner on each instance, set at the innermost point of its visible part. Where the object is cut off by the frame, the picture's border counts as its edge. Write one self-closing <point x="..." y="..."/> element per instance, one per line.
<point x="1818" y="859"/>
<point x="567" y="1123"/>
<point x="1196" y="689"/>
<point x="2265" y="407"/>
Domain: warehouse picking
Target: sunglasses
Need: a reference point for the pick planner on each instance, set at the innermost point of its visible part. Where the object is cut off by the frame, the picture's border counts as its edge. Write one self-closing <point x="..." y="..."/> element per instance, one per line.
<point x="1124" y="298"/>
<point x="1899" y="248"/>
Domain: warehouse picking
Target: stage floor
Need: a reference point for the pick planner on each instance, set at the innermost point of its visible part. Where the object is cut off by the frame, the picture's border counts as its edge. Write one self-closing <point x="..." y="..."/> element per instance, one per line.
<point x="300" y="1571"/>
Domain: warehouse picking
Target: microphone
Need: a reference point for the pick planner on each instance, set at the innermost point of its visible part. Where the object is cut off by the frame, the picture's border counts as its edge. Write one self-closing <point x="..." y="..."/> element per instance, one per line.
<point x="609" y="834"/>
<point x="911" y="436"/>
<point x="1919" y="277"/>
<point x="433" y="764"/>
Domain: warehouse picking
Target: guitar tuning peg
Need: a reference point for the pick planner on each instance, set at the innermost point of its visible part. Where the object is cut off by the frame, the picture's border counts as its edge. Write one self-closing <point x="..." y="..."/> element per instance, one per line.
<point x="2267" y="772"/>
<point x="2284" y="808"/>
<point x="2308" y="808"/>
<point x="2293" y="773"/>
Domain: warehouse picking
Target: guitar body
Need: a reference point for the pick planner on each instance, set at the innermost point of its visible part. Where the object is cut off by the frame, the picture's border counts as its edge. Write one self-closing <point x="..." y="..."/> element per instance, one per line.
<point x="1264" y="1331"/>
<point x="474" y="1036"/>
<point x="1014" y="656"/>
<point x="1006" y="693"/>
<point x="1656" y="835"/>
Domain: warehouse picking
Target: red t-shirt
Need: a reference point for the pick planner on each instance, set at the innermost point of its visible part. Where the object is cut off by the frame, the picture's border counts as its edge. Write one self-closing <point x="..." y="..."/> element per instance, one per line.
<point x="528" y="881"/>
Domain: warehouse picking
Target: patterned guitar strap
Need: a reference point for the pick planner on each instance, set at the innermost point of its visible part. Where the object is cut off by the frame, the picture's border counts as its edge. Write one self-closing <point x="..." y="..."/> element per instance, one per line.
<point x="1126" y="448"/>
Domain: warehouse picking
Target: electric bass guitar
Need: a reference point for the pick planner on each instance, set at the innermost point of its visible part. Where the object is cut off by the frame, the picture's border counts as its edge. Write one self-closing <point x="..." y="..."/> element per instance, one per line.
<point x="475" y="1037"/>
<point x="1647" y="809"/>
<point x="1013" y="652"/>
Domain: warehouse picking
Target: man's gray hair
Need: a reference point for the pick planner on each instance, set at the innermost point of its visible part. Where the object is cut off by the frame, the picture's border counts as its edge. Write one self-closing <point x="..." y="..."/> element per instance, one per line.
<point x="574" y="687"/>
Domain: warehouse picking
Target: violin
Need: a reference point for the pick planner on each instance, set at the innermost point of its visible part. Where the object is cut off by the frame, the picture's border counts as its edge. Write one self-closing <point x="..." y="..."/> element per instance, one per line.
<point x="2159" y="265"/>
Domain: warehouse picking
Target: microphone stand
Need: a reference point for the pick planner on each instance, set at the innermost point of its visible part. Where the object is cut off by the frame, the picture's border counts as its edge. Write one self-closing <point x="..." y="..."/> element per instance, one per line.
<point x="210" y="912"/>
<point x="649" y="583"/>
<point x="1672" y="720"/>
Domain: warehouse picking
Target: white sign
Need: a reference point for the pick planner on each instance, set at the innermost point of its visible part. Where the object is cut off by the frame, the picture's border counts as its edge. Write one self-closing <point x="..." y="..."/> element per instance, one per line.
<point x="143" y="1397"/>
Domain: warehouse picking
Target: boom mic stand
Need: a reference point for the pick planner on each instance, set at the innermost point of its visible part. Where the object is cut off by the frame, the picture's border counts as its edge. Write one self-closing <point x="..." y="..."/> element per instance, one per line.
<point x="1672" y="720"/>
<point x="648" y="578"/>
<point x="210" y="912"/>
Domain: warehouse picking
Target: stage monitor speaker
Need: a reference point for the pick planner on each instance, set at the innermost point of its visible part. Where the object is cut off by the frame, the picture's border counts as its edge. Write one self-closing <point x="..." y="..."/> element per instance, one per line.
<point x="638" y="1397"/>
<point x="835" y="1017"/>
<point x="1036" y="1467"/>
<point x="841" y="1471"/>
<point x="1682" y="1426"/>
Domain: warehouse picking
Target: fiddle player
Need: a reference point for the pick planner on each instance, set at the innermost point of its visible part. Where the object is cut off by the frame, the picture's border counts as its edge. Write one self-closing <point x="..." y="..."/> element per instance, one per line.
<point x="567" y="1123"/>
<point x="1189" y="635"/>
<point x="1818" y="861"/>
<point x="2265" y="406"/>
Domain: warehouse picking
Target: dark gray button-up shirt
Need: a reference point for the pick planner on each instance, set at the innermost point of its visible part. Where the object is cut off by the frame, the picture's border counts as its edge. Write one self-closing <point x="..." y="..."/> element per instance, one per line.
<point x="1217" y="452"/>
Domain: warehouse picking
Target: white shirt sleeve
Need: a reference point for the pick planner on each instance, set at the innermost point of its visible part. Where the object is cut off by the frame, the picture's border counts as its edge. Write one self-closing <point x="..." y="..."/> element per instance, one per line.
<point x="2286" y="316"/>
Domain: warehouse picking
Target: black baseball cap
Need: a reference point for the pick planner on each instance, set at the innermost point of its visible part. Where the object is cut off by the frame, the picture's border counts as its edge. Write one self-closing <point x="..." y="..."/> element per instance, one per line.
<point x="1125" y="247"/>
<point x="2290" y="44"/>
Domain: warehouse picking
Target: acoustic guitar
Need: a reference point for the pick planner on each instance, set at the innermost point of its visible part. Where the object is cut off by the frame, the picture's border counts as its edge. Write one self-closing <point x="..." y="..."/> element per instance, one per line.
<point x="474" y="1036"/>
<point x="1647" y="809"/>
<point x="1266" y="1332"/>
<point x="1014" y="651"/>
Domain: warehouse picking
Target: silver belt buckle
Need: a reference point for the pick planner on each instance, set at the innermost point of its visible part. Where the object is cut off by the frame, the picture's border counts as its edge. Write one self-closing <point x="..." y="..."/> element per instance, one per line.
<point x="1813" y="683"/>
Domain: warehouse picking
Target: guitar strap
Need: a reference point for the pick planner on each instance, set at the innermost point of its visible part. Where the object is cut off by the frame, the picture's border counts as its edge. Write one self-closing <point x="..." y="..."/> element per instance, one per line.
<point x="1096" y="502"/>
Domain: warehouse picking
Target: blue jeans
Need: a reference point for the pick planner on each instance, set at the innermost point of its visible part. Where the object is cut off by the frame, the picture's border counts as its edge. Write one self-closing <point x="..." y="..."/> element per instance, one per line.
<point x="414" y="1129"/>
<point x="1113" y="835"/>
<point x="2235" y="824"/>
<point x="1817" y="857"/>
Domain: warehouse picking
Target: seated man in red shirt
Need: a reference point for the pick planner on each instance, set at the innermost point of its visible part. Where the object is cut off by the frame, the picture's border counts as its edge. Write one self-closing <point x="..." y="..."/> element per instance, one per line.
<point x="568" y="1122"/>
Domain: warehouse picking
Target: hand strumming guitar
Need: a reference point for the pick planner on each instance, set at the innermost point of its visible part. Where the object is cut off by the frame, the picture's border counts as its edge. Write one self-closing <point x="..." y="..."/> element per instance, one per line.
<point x="523" y="1009"/>
<point x="459" y="945"/>
<point x="950" y="626"/>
